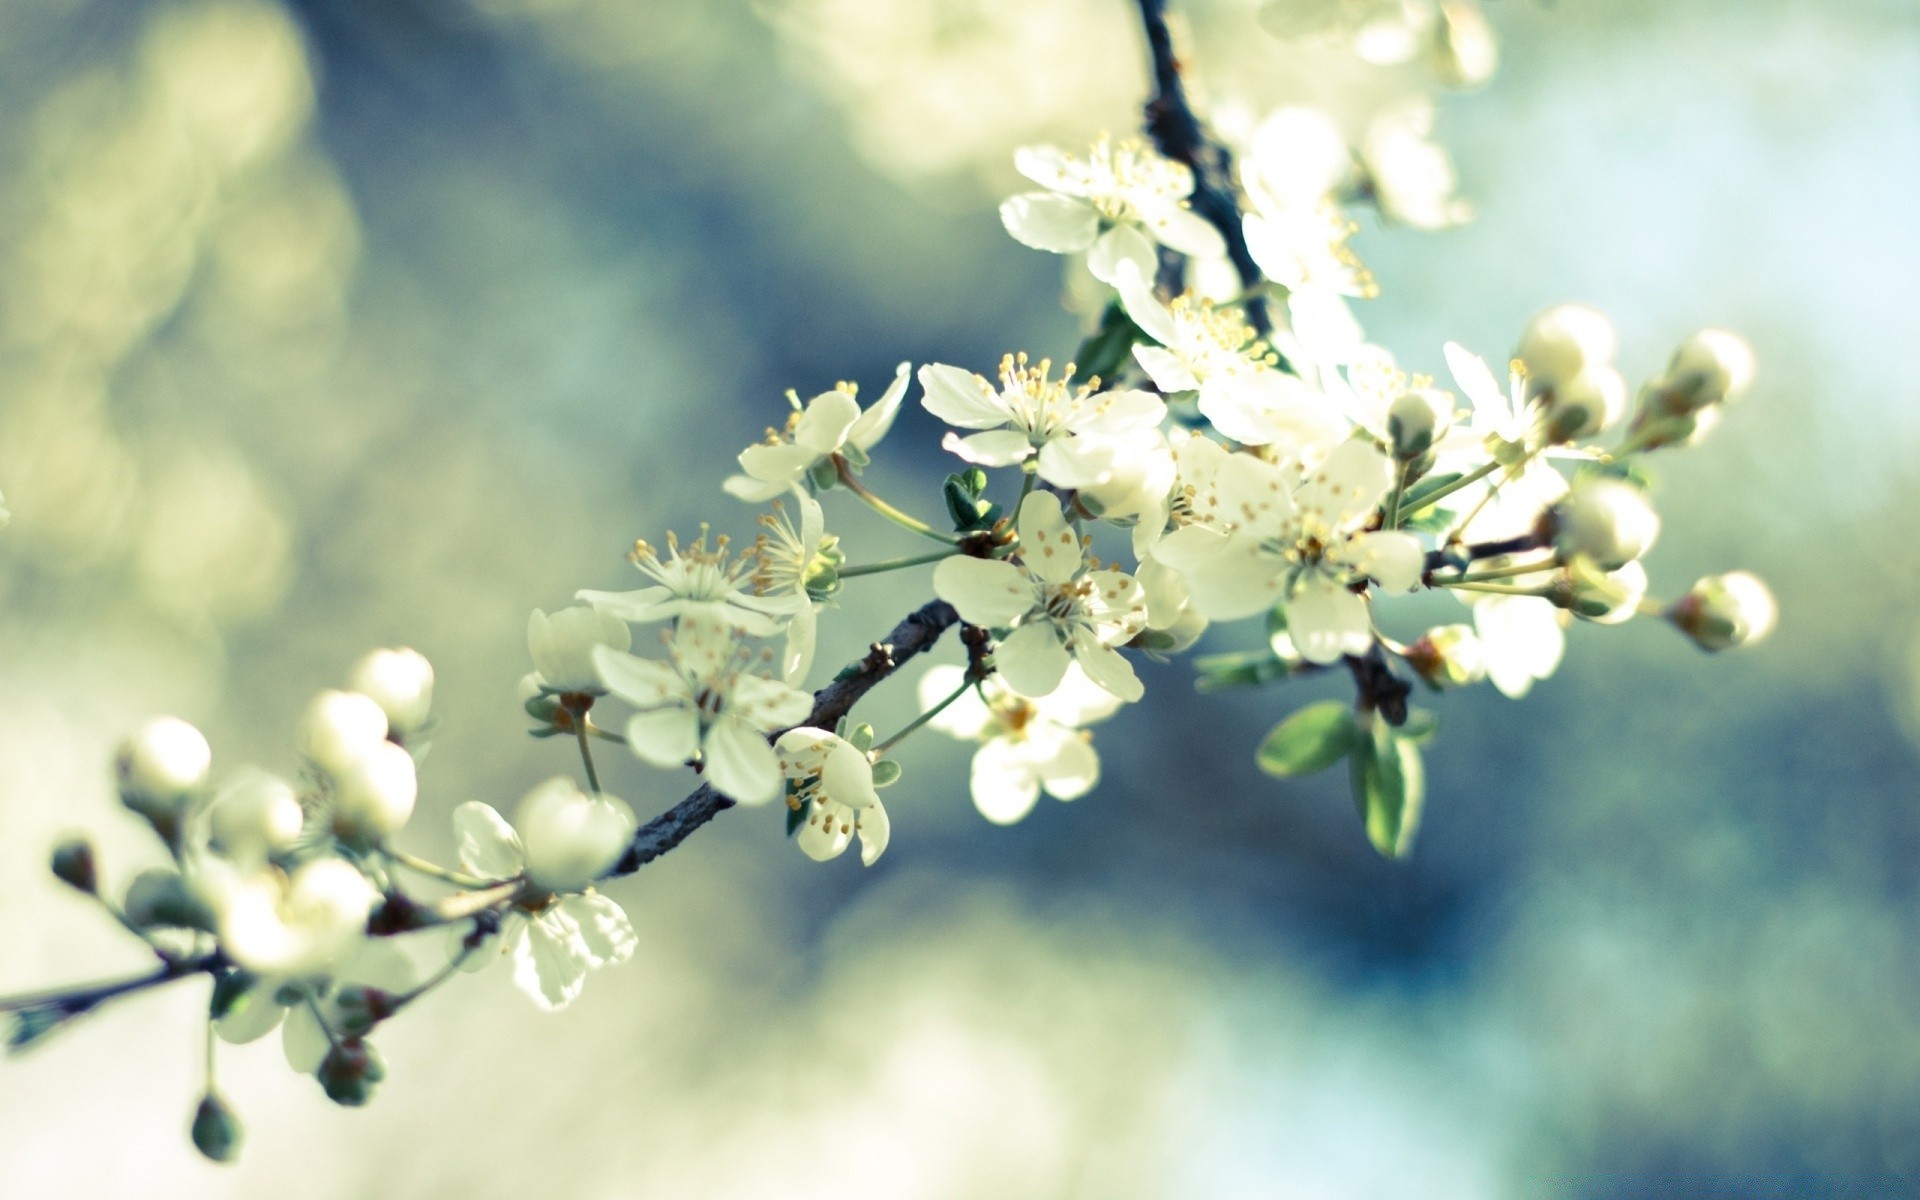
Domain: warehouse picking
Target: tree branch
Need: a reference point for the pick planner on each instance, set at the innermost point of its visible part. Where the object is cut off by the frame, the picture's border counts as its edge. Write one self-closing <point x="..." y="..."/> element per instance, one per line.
<point x="1180" y="135"/>
<point x="918" y="631"/>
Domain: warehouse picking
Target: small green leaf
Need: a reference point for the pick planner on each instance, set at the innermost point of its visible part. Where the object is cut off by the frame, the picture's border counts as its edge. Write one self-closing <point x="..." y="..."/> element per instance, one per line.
<point x="1389" y="787"/>
<point x="1310" y="740"/>
<point x="1420" y="726"/>
<point x="1630" y="470"/>
<point x="886" y="773"/>
<point x="823" y="474"/>
<point x="1244" y="668"/>
<point x="861" y="735"/>
<point x="1437" y="519"/>
<point x="1110" y="346"/>
<point x="230" y="992"/>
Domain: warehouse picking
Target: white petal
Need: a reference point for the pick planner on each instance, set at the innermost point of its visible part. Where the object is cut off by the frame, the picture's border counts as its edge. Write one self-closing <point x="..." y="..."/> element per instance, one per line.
<point x="994" y="448"/>
<point x="1067" y="764"/>
<point x="549" y="960"/>
<point x="753" y="491"/>
<point x="1187" y="231"/>
<point x="1045" y="221"/>
<point x="767" y="704"/>
<point x="1050" y="167"/>
<point x="641" y="682"/>
<point x="303" y="1041"/>
<point x="826" y="833"/>
<point x="965" y="718"/>
<point x="1078" y="701"/>
<point x="961" y="398"/>
<point x="1328" y="621"/>
<point x="1048" y="545"/>
<point x="987" y="592"/>
<point x="1031" y="659"/>
<point x="1396" y="560"/>
<point x="1346" y="488"/>
<point x="802" y="634"/>
<point x="488" y="846"/>
<point x="877" y="420"/>
<point x="875" y="830"/>
<point x="1122" y="412"/>
<point x="1237" y="581"/>
<point x="1106" y="666"/>
<point x="780" y="465"/>
<point x="1003" y="782"/>
<point x="1475" y="380"/>
<point x="253" y="1016"/>
<point x="823" y="424"/>
<point x="1145" y="309"/>
<point x="665" y="737"/>
<point x="1167" y="371"/>
<point x="739" y="763"/>
<point x="1122" y="243"/>
<point x="605" y="933"/>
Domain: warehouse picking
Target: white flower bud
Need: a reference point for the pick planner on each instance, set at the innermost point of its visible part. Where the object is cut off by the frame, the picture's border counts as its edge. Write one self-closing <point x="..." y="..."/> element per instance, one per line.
<point x="1564" y="342"/>
<point x="1586" y="404"/>
<point x="571" y="838"/>
<point x="1464" y="53"/>
<point x="562" y="646"/>
<point x="1418" y="419"/>
<point x="339" y="729"/>
<point x="400" y="681"/>
<point x="1607" y="521"/>
<point x="165" y="761"/>
<point x="255" y="815"/>
<point x="1610" y="599"/>
<point x="1449" y="656"/>
<point x="1723" y="611"/>
<point x="275" y="925"/>
<point x="160" y="898"/>
<point x="374" y="797"/>
<point x="1714" y="366"/>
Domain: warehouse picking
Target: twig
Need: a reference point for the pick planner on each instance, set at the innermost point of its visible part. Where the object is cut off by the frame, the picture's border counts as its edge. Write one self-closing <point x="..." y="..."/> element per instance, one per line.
<point x="77" y="1000"/>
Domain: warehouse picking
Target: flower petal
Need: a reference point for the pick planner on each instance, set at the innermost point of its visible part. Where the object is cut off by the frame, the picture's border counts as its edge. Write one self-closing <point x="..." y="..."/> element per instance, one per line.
<point x="875" y="830"/>
<point x="823" y="424"/>
<point x="877" y="420"/>
<point x="1106" y="666"/>
<point x="988" y="592"/>
<point x="961" y="398"/>
<point x="488" y="846"/>
<point x="1145" y="309"/>
<point x="549" y="959"/>
<point x="994" y="448"/>
<point x="739" y="763"/>
<point x="665" y="737"/>
<point x="606" y="934"/>
<point x="1049" y="547"/>
<point x="1328" y="621"/>
<point x="641" y="682"/>
<point x="1031" y="659"/>
<point x="1347" y="487"/>
<point x="1395" y="560"/>
<point x="1045" y="221"/>
<point x="1003" y="781"/>
<point x="1122" y="243"/>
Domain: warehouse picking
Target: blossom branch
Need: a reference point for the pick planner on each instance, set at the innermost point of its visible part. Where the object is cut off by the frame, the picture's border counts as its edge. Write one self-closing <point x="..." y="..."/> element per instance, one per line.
<point x="916" y="632"/>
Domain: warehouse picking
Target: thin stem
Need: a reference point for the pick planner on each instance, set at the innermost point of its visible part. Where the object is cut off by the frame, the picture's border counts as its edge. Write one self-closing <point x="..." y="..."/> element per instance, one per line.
<point x="606" y="735"/>
<point x="446" y="971"/>
<point x="1507" y="572"/>
<point x="586" y="752"/>
<point x="211" y="1042"/>
<point x="1498" y="589"/>
<point x="436" y="871"/>
<point x="886" y="510"/>
<point x="895" y="564"/>
<point x="1441" y="493"/>
<point x="920" y="720"/>
<point x="79" y="999"/>
<point x="313" y="1006"/>
<point x="1392" y="520"/>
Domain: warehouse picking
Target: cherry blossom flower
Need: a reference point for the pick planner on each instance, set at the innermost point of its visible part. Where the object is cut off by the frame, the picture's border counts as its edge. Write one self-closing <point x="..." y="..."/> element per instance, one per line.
<point x="1026" y="745"/>
<point x="562" y="646"/>
<point x="1303" y="551"/>
<point x="696" y="580"/>
<point x="1523" y="638"/>
<point x="796" y="560"/>
<point x="1114" y="205"/>
<point x="829" y="424"/>
<point x="832" y="780"/>
<point x="704" y="701"/>
<point x="1061" y="607"/>
<point x="1034" y="416"/>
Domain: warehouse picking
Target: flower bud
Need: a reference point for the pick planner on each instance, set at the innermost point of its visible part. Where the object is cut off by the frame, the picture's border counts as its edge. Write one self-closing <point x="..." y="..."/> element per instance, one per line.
<point x="1418" y="419"/>
<point x="255" y="815"/>
<point x="339" y="729"/>
<point x="542" y="705"/>
<point x="350" y="1071"/>
<point x="1585" y="404"/>
<point x="1723" y="611"/>
<point x="215" y="1130"/>
<point x="400" y="681"/>
<point x="571" y="838"/>
<point x="300" y="925"/>
<point x="1449" y="656"/>
<point x="159" y="898"/>
<point x="73" y="865"/>
<point x="562" y="646"/>
<point x="356" y="1009"/>
<point x="164" y="762"/>
<point x="1564" y="342"/>
<point x="1464" y="53"/>
<point x="1606" y="521"/>
<point x="1714" y="366"/>
<point x="1608" y="599"/>
<point x="374" y="797"/>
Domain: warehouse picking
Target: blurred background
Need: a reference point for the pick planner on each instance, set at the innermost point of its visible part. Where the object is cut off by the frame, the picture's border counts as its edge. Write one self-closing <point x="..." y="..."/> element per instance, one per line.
<point x="329" y="324"/>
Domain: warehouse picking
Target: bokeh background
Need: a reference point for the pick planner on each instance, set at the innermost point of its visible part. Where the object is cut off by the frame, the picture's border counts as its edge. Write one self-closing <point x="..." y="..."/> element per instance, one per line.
<point x="339" y="323"/>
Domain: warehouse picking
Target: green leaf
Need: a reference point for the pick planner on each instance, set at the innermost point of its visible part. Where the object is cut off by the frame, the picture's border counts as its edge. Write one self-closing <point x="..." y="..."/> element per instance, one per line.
<point x="1310" y="740"/>
<point x="1278" y="639"/>
<point x="1110" y="346"/>
<point x="861" y="737"/>
<point x="886" y="773"/>
<point x="229" y="991"/>
<point x="1420" y="726"/>
<point x="1437" y="519"/>
<point x="1389" y="787"/>
<point x="1243" y="668"/>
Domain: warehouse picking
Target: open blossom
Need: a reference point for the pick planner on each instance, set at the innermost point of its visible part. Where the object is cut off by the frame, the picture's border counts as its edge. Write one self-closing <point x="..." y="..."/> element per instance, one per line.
<point x="1216" y="354"/>
<point x="832" y="780"/>
<point x="829" y="424"/>
<point x="1523" y="638"/>
<point x="562" y="646"/>
<point x="1505" y="426"/>
<point x="703" y="701"/>
<point x="1304" y="551"/>
<point x="301" y="924"/>
<point x="1026" y="745"/>
<point x="553" y="940"/>
<point x="795" y="560"/>
<point x="1114" y="205"/>
<point x="696" y="580"/>
<point x="1031" y="413"/>
<point x="1061" y="607"/>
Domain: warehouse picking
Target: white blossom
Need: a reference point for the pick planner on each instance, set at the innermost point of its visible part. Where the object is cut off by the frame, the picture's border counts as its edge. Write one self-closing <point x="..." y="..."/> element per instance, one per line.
<point x="374" y="794"/>
<point x="558" y="938"/>
<point x="292" y="925"/>
<point x="253" y="815"/>
<point x="1026" y="745"/>
<point x="1303" y="550"/>
<point x="161" y="763"/>
<point x="1114" y="205"/>
<point x="794" y="560"/>
<point x="341" y="728"/>
<point x="400" y="681"/>
<point x="1060" y="607"/>
<point x="1523" y="638"/>
<point x="1502" y="425"/>
<point x="1034" y="416"/>
<point x="695" y="580"/>
<point x="1724" y="611"/>
<point x="571" y="838"/>
<point x="832" y="780"/>
<point x="563" y="644"/>
<point x="704" y="701"/>
<point x="829" y="424"/>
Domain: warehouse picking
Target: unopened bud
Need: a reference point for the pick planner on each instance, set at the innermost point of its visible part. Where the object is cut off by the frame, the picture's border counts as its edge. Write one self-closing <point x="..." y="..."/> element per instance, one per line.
<point x="1585" y="404"/>
<point x="73" y="865"/>
<point x="1464" y="53"/>
<point x="159" y="898"/>
<point x="400" y="681"/>
<point x="341" y="728"/>
<point x="358" y="1009"/>
<point x="161" y="765"/>
<point x="1563" y="343"/>
<point x="255" y="815"/>
<point x="374" y="797"/>
<point x="1449" y="656"/>
<point x="215" y="1130"/>
<point x="1606" y="521"/>
<point x="562" y="645"/>
<point x="571" y="838"/>
<point x="1714" y="366"/>
<point x="350" y="1072"/>
<point x="1418" y="419"/>
<point x="1607" y="599"/>
<point x="1723" y="611"/>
